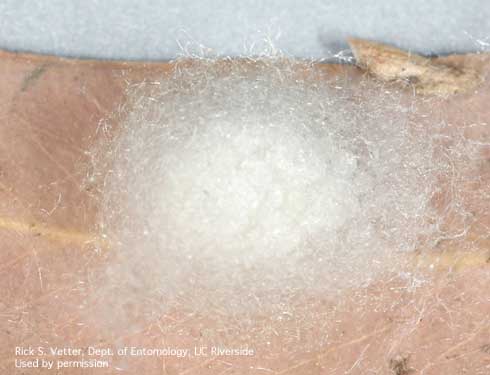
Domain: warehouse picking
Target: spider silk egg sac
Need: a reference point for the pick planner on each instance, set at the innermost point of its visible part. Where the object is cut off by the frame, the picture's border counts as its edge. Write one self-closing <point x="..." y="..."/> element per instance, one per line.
<point x="260" y="174"/>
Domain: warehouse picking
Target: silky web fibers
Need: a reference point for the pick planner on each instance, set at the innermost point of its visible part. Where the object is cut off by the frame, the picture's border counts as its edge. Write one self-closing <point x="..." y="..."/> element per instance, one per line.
<point x="239" y="186"/>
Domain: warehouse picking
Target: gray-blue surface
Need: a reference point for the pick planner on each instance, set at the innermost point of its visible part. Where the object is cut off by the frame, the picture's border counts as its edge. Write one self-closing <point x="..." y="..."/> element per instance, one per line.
<point x="147" y="29"/>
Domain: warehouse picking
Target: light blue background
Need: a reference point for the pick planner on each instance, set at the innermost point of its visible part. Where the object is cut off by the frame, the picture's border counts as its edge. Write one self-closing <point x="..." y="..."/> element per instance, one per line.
<point x="157" y="30"/>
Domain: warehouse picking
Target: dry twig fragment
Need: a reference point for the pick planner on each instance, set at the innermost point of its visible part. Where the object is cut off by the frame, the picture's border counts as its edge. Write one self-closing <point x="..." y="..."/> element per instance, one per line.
<point x="426" y="75"/>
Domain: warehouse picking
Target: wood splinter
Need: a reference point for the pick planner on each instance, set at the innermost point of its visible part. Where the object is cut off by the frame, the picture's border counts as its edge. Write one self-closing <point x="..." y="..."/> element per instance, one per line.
<point x="425" y="75"/>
